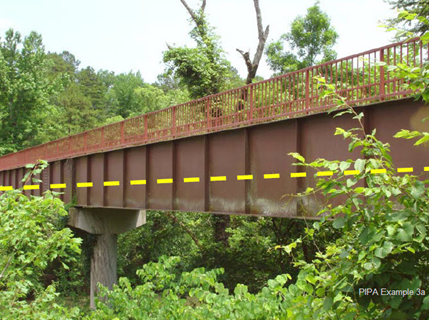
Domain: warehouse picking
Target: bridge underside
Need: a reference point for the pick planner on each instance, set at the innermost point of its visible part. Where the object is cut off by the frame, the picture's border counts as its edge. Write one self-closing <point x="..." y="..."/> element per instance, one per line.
<point x="239" y="171"/>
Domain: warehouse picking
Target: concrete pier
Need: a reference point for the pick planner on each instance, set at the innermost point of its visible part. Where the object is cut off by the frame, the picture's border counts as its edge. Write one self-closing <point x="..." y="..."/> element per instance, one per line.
<point x="107" y="223"/>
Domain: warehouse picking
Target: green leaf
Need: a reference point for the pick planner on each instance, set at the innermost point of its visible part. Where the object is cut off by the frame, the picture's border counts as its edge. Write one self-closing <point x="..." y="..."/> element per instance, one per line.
<point x="424" y="139"/>
<point x="339" y="223"/>
<point x="297" y="156"/>
<point x="344" y="165"/>
<point x="360" y="164"/>
<point x="418" y="190"/>
<point x="327" y="304"/>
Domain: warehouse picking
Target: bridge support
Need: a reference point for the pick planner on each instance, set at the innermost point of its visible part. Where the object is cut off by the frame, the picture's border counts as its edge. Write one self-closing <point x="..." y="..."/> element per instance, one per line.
<point x="107" y="223"/>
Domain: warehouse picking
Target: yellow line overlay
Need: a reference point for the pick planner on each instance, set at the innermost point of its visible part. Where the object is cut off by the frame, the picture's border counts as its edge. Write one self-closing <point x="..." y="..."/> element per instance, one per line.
<point x="245" y="177"/>
<point x="378" y="171"/>
<point x="218" y="178"/>
<point x="84" y="184"/>
<point x="162" y="181"/>
<point x="31" y="187"/>
<point x="196" y="179"/>
<point x="405" y="169"/>
<point x="325" y="173"/>
<point x="426" y="168"/>
<point x="298" y="175"/>
<point x="6" y="188"/>
<point x="137" y="182"/>
<point x="58" y="186"/>
<point x="272" y="176"/>
<point x="351" y="172"/>
<point x="111" y="183"/>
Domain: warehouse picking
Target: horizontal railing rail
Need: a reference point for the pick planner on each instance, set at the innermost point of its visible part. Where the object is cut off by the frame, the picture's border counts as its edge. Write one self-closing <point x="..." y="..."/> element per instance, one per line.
<point x="360" y="78"/>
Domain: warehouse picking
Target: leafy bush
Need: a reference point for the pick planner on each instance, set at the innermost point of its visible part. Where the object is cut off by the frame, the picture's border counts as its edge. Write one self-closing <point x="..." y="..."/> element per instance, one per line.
<point x="30" y="240"/>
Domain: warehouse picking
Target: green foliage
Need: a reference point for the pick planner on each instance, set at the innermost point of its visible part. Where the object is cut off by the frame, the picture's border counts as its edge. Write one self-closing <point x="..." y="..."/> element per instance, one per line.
<point x="122" y="97"/>
<point x="384" y="242"/>
<point x="31" y="239"/>
<point x="203" y="70"/>
<point x="419" y="10"/>
<point x="192" y="295"/>
<point x="25" y="88"/>
<point x="311" y="40"/>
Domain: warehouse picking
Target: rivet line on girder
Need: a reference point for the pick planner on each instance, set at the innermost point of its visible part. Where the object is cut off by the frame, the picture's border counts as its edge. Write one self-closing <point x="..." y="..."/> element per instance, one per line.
<point x="212" y="178"/>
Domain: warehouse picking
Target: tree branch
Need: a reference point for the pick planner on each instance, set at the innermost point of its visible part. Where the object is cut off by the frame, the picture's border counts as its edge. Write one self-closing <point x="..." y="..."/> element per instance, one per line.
<point x="252" y="67"/>
<point x="191" y="12"/>
<point x="188" y="231"/>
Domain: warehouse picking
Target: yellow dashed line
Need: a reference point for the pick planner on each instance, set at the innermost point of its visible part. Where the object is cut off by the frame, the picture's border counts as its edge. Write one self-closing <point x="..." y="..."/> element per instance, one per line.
<point x="163" y="181"/>
<point x="84" y="184"/>
<point x="111" y="183"/>
<point x="137" y="182"/>
<point x="195" y="179"/>
<point x="376" y="171"/>
<point x="218" y="178"/>
<point x="351" y="172"/>
<point x="298" y="175"/>
<point x="245" y="177"/>
<point x="405" y="169"/>
<point x="325" y="173"/>
<point x="58" y="186"/>
<point x="31" y="187"/>
<point x="6" y="188"/>
<point x="272" y="176"/>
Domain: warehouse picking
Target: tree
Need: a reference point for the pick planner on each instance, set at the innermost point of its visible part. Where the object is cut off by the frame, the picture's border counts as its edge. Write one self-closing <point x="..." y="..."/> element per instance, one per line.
<point x="311" y="40"/>
<point x="95" y="90"/>
<point x="25" y="88"/>
<point x="203" y="69"/>
<point x="252" y="66"/>
<point x="420" y="8"/>
<point x="122" y="97"/>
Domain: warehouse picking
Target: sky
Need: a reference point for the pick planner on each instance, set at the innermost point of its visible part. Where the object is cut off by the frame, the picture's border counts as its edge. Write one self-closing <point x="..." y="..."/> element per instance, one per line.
<point x="130" y="35"/>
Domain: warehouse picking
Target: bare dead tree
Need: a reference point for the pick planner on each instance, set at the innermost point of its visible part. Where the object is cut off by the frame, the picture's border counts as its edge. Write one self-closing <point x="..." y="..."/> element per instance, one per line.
<point x="197" y="19"/>
<point x="252" y="67"/>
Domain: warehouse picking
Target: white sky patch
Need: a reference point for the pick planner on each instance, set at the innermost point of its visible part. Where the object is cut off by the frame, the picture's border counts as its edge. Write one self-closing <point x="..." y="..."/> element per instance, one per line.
<point x="132" y="34"/>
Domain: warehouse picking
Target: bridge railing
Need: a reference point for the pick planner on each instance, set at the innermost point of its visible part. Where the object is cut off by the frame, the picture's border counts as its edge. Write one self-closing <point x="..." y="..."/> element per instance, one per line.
<point x="359" y="78"/>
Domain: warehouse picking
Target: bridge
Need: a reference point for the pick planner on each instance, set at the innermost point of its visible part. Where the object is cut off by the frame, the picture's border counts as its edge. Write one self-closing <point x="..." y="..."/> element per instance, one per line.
<point x="225" y="153"/>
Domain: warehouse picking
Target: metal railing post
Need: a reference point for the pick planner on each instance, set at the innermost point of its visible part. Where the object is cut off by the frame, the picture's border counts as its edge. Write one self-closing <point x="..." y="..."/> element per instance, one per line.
<point x="102" y="137"/>
<point x="122" y="133"/>
<point x="145" y="128"/>
<point x="85" y="141"/>
<point x="174" y="122"/>
<point x="208" y="114"/>
<point x="382" y="77"/>
<point x="307" y="90"/>
<point x="251" y="103"/>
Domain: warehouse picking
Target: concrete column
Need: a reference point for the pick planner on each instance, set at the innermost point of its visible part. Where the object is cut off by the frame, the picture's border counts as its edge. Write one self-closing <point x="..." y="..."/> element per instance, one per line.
<point x="107" y="223"/>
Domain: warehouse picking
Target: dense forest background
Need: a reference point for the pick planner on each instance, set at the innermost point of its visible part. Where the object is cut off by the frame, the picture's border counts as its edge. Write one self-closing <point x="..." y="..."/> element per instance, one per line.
<point x="46" y="95"/>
